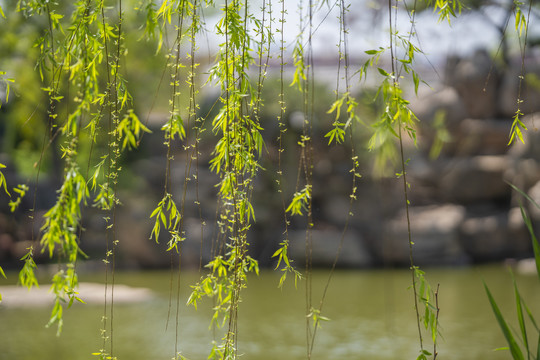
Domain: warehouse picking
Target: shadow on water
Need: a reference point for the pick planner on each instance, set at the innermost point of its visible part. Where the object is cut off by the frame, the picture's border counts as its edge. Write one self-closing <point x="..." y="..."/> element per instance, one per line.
<point x="371" y="312"/>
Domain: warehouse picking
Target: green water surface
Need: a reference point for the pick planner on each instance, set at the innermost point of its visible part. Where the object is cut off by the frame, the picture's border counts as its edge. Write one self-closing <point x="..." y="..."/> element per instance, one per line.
<point x="371" y="317"/>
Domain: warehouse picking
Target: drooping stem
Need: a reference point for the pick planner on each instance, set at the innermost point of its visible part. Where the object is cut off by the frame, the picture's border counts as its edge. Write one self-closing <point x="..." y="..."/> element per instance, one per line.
<point x="395" y="85"/>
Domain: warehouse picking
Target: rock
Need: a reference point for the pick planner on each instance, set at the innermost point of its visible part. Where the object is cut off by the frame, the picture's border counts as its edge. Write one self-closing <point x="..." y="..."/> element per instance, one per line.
<point x="198" y="239"/>
<point x="534" y="194"/>
<point x="529" y="93"/>
<point x="152" y="170"/>
<point x="494" y="236"/>
<point x="200" y="186"/>
<point x="484" y="238"/>
<point x="6" y="243"/>
<point x="479" y="178"/>
<point x="429" y="103"/>
<point x="375" y="200"/>
<point x="432" y="108"/>
<point x="526" y="267"/>
<point x="482" y="137"/>
<point x="523" y="174"/>
<point x="424" y="178"/>
<point x="518" y="235"/>
<point x="325" y="244"/>
<point x="21" y="248"/>
<point x="335" y="209"/>
<point x="90" y="293"/>
<point x="476" y="81"/>
<point x="134" y="228"/>
<point x="435" y="234"/>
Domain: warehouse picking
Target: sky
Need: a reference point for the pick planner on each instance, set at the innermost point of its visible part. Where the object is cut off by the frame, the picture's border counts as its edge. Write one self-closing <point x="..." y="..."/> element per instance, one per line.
<point x="368" y="28"/>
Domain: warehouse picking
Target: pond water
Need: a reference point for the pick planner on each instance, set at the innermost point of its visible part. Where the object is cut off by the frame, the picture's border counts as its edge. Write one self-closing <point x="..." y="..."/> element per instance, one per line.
<point x="371" y="317"/>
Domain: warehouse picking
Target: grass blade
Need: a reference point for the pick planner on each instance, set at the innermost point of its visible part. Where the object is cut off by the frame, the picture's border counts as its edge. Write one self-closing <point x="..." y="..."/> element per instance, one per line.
<point x="531" y="200"/>
<point x="531" y="317"/>
<point x="536" y="247"/>
<point x="512" y="344"/>
<point x="521" y="319"/>
<point x="538" y="348"/>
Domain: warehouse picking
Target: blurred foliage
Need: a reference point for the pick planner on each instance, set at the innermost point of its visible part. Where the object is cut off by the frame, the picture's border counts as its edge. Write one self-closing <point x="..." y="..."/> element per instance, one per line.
<point x="24" y="119"/>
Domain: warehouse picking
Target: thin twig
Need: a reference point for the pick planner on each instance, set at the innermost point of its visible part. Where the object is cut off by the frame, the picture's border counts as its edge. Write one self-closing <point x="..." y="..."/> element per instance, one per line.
<point x="435" y="353"/>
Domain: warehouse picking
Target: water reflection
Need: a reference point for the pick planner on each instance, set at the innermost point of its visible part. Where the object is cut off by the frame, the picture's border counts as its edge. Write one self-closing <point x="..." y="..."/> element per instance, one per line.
<point x="371" y="314"/>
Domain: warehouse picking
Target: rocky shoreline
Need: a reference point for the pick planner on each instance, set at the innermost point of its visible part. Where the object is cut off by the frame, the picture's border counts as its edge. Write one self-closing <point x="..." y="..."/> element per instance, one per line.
<point x="463" y="209"/>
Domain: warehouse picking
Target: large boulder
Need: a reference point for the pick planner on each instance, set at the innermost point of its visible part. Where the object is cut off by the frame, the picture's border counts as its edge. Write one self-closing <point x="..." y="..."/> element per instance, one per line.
<point x="518" y="234"/>
<point x="431" y="102"/>
<point x="133" y="231"/>
<point x="523" y="174"/>
<point x="326" y="244"/>
<point x="534" y="194"/>
<point x="482" y="137"/>
<point x="375" y="200"/>
<point x="478" y="178"/>
<point x="436" y="110"/>
<point x="510" y="88"/>
<point x="435" y="234"/>
<point x="495" y="236"/>
<point x="476" y="81"/>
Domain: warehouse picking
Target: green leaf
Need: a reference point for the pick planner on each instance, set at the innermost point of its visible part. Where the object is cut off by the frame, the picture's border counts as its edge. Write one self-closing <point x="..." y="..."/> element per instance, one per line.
<point x="3" y="182"/>
<point x="514" y="348"/>
<point x="538" y="348"/>
<point x="531" y="317"/>
<point x="383" y="72"/>
<point x="299" y="201"/>
<point x="536" y="248"/>
<point x="416" y="80"/>
<point x="521" y="319"/>
<point x="516" y="127"/>
<point x="531" y="200"/>
<point x="337" y="134"/>
<point x="535" y="245"/>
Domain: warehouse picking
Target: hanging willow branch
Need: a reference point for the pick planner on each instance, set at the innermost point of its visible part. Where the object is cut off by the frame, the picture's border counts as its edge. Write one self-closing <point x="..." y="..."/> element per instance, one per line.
<point x="81" y="57"/>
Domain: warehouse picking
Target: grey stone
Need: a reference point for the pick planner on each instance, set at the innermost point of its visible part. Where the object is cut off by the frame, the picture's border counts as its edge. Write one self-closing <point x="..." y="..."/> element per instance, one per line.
<point x="518" y="234"/>
<point x="526" y="267"/>
<point x="494" y="236"/>
<point x="534" y="194"/>
<point x="484" y="238"/>
<point x="482" y="137"/>
<point x="325" y="245"/>
<point x="479" y="178"/>
<point x="435" y="236"/>
<point x="445" y="99"/>
<point x="476" y="82"/>
<point x="430" y="105"/>
<point x="523" y="173"/>
<point x="510" y="87"/>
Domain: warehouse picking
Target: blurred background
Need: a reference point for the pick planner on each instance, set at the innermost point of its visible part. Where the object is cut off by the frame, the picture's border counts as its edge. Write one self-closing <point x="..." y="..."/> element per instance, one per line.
<point x="466" y="219"/>
<point x="463" y="210"/>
